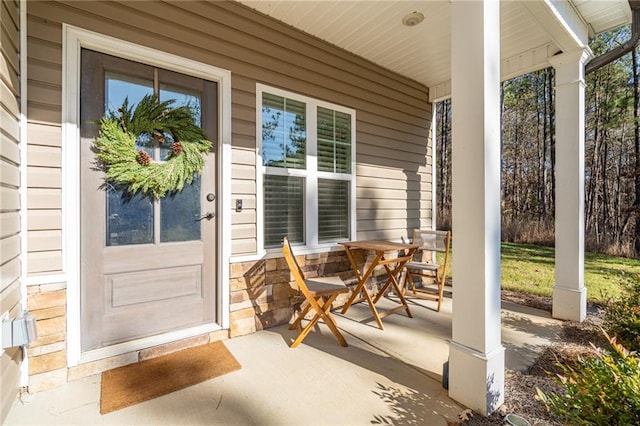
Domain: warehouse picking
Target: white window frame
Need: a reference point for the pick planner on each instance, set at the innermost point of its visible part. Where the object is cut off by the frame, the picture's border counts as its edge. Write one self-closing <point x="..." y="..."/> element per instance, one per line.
<point x="310" y="173"/>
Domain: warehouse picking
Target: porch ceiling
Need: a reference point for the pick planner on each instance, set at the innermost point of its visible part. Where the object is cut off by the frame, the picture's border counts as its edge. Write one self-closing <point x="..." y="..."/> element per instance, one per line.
<point x="531" y="31"/>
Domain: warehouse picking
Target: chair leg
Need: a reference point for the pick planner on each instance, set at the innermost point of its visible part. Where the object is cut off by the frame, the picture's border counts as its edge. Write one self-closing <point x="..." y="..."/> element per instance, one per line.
<point x="305" y="331"/>
<point x="408" y="284"/>
<point x="440" y="281"/>
<point x="331" y="322"/>
<point x="323" y="310"/>
<point x="307" y="328"/>
<point x="297" y="323"/>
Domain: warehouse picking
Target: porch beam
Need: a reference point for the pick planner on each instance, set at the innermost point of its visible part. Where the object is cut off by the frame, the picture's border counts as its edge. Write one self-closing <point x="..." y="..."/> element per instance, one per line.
<point x="565" y="26"/>
<point x="514" y="66"/>
<point x="569" y="292"/>
<point x="476" y="355"/>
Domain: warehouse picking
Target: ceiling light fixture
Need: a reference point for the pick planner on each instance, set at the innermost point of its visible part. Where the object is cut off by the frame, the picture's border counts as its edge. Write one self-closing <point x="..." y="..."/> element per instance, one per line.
<point x="412" y="19"/>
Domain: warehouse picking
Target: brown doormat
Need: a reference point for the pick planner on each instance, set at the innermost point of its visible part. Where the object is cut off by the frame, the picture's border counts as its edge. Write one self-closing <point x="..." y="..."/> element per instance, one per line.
<point x="135" y="383"/>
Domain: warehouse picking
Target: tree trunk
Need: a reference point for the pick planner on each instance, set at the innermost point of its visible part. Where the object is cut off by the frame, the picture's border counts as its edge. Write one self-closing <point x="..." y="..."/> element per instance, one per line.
<point x="551" y="116"/>
<point x="636" y="142"/>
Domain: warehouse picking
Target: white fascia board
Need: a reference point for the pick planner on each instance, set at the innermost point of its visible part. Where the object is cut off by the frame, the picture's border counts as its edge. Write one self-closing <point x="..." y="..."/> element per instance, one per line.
<point x="565" y="25"/>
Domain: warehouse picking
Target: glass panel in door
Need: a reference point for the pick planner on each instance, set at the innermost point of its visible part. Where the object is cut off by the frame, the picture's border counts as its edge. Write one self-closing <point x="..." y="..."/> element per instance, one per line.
<point x="180" y="212"/>
<point x="129" y="219"/>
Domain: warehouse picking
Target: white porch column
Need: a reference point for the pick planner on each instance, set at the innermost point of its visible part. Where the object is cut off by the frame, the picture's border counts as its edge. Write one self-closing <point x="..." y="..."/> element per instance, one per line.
<point x="569" y="293"/>
<point x="476" y="355"/>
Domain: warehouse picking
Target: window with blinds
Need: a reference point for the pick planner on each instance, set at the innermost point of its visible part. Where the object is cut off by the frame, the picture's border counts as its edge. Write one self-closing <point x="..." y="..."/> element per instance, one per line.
<point x="283" y="209"/>
<point x="284" y="132"/>
<point x="334" y="141"/>
<point x="333" y="210"/>
<point x="307" y="179"/>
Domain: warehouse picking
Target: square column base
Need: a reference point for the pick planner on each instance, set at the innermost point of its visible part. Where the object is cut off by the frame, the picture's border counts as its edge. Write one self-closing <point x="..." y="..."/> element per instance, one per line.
<point x="476" y="380"/>
<point x="569" y="304"/>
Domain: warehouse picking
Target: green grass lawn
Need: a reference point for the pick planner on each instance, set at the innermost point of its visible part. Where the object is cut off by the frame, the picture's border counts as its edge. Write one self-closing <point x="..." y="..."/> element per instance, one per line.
<point x="530" y="269"/>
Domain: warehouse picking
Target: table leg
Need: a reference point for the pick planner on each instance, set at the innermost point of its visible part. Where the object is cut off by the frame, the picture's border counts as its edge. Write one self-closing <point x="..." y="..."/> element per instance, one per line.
<point x="392" y="280"/>
<point x="362" y="280"/>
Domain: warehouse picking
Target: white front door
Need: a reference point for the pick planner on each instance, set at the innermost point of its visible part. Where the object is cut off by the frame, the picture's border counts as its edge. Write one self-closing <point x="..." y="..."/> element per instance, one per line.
<point x="147" y="266"/>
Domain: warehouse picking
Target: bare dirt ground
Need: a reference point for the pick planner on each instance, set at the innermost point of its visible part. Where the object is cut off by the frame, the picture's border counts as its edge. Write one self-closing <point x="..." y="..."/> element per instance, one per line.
<point x="520" y="387"/>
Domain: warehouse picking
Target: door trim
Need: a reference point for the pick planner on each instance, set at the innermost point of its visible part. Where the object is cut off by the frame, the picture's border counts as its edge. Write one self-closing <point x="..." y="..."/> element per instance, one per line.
<point x="73" y="39"/>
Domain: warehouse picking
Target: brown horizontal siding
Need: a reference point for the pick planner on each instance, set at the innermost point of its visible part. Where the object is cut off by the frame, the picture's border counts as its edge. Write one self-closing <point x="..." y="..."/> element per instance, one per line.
<point x="10" y="237"/>
<point x="243" y="245"/>
<point x="393" y="114"/>
<point x="10" y="248"/>
<point x="44" y="261"/>
<point x="44" y="203"/>
<point x="45" y="136"/>
<point x="243" y="172"/>
<point x="44" y="156"/>
<point x="38" y="71"/>
<point x="9" y="150"/>
<point x="44" y="77"/>
<point x="44" y="177"/>
<point x="44" y="219"/>
<point x="10" y="125"/>
<point x="10" y="34"/>
<point x="44" y="198"/>
<point x="10" y="299"/>
<point x="10" y="73"/>
<point x="9" y="224"/>
<point x="45" y="240"/>
<point x="10" y="174"/>
<point x="9" y="98"/>
<point x="44" y="173"/>
<point x="10" y="273"/>
<point x="10" y="199"/>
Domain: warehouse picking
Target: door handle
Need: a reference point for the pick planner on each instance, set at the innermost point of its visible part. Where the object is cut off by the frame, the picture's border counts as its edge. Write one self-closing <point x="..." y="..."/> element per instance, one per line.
<point x="208" y="216"/>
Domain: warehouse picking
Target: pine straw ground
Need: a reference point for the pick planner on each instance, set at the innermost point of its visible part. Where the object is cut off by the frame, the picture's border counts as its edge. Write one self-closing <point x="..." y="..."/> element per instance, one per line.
<point x="520" y="387"/>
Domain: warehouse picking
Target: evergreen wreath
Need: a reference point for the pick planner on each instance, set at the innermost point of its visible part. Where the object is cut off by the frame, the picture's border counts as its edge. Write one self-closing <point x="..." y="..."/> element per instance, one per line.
<point x="133" y="170"/>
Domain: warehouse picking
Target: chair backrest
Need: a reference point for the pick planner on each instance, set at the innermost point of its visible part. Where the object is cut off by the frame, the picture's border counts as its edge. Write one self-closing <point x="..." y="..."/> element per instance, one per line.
<point x="294" y="267"/>
<point x="433" y="241"/>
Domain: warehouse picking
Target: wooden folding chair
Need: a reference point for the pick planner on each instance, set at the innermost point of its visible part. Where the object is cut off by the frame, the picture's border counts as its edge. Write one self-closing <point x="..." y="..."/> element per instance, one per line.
<point x="319" y="294"/>
<point x="429" y="242"/>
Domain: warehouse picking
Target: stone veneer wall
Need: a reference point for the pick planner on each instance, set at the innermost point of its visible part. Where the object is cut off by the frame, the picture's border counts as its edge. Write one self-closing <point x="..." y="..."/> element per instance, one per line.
<point x="48" y="355"/>
<point x="263" y="294"/>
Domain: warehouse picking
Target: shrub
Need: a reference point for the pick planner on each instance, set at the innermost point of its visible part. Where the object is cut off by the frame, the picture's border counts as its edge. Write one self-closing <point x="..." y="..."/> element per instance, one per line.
<point x="622" y="315"/>
<point x="603" y="389"/>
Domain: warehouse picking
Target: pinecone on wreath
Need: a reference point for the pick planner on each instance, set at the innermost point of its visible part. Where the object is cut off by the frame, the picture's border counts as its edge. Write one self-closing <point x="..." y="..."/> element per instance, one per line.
<point x="143" y="158"/>
<point x="176" y="148"/>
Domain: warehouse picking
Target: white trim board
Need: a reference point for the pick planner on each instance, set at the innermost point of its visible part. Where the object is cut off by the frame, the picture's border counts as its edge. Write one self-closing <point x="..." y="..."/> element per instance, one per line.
<point x="24" y="226"/>
<point x="74" y="39"/>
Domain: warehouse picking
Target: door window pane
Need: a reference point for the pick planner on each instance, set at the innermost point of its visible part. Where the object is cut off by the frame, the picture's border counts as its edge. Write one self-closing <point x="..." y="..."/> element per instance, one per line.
<point x="181" y="97"/>
<point x="120" y="87"/>
<point x="333" y="209"/>
<point x="129" y="219"/>
<point x="284" y="209"/>
<point x="284" y="132"/>
<point x="180" y="212"/>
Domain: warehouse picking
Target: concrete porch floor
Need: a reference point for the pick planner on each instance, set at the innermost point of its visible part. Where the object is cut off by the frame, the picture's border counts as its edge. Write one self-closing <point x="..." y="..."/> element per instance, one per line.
<point x="390" y="376"/>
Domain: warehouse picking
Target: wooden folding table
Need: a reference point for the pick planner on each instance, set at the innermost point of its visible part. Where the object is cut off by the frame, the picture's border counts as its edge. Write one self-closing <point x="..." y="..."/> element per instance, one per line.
<point x="392" y="264"/>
